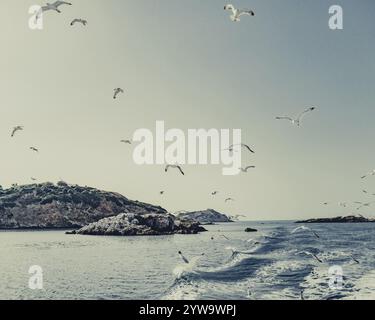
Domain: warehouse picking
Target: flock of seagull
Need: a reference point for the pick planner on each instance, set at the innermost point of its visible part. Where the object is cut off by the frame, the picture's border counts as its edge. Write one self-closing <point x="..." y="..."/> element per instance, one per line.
<point x="235" y="16"/>
<point x="55" y="7"/>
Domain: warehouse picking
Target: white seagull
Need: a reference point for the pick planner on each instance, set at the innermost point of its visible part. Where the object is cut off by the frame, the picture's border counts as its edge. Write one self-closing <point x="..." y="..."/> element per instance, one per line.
<point x="83" y="22"/>
<point x="15" y="129"/>
<point x="297" y="121"/>
<point x="34" y="149"/>
<point x="214" y="193"/>
<point x="372" y="173"/>
<point x="52" y="6"/>
<point x="117" y="92"/>
<point x="237" y="13"/>
<point x="311" y="255"/>
<point x="303" y="228"/>
<point x="229" y="199"/>
<point x="174" y="167"/>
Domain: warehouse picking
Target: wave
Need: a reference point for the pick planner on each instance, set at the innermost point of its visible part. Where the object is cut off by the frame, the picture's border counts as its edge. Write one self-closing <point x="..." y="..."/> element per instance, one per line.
<point x="267" y="267"/>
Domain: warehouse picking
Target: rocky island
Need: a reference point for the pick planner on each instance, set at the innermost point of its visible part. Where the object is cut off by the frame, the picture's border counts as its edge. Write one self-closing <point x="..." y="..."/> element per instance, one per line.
<point x="348" y="219"/>
<point x="48" y="205"/>
<point x="91" y="211"/>
<point x="208" y="216"/>
<point x="129" y="224"/>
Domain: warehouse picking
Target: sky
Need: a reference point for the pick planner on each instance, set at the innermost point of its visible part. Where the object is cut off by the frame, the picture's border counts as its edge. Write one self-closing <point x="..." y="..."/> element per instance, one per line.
<point x="186" y="63"/>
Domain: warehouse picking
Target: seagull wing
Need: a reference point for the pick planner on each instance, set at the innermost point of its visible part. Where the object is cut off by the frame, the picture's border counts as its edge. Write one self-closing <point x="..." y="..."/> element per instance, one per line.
<point x="248" y="148"/>
<point x="60" y="3"/>
<point x="302" y="114"/>
<point x="246" y="12"/>
<point x="315" y="234"/>
<point x="230" y="7"/>
<point x="184" y="259"/>
<point x="249" y="167"/>
<point x="284" y="118"/>
<point x="296" y="230"/>
<point x="180" y="169"/>
<point x="317" y="258"/>
<point x="354" y="259"/>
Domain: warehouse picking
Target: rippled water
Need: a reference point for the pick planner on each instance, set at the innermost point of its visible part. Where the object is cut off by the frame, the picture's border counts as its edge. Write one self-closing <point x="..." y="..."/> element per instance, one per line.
<point x="85" y="267"/>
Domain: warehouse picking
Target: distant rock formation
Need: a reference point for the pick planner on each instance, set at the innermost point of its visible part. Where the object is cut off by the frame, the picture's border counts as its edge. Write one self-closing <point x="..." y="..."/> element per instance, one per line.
<point x="208" y="216"/>
<point x="41" y="206"/>
<point x="348" y="219"/>
<point x="251" y="230"/>
<point x="130" y="224"/>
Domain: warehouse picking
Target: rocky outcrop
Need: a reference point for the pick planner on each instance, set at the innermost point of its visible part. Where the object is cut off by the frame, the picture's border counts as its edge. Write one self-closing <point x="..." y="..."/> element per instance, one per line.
<point x="47" y="205"/>
<point x="348" y="219"/>
<point x="251" y="230"/>
<point x="130" y="224"/>
<point x="208" y="216"/>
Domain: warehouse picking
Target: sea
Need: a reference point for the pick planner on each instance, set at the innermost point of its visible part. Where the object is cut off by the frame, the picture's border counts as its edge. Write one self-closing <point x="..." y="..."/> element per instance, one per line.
<point x="225" y="263"/>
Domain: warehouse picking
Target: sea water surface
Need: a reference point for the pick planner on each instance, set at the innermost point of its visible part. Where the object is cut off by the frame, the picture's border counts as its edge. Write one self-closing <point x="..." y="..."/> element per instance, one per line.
<point x="233" y="266"/>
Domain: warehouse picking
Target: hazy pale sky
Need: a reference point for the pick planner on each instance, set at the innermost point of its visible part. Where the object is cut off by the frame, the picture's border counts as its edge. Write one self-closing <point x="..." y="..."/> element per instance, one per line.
<point x="186" y="63"/>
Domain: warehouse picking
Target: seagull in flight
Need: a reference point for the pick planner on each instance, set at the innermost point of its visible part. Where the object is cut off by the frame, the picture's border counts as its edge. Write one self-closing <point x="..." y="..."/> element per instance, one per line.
<point x="15" y="129"/>
<point x="311" y="255"/>
<point x="162" y="192"/>
<point x="297" y="121"/>
<point x="372" y="173"/>
<point x="117" y="92"/>
<point x="245" y="170"/>
<point x="214" y="193"/>
<point x="343" y="204"/>
<point x="237" y="217"/>
<point x="174" y="167"/>
<point x="126" y="141"/>
<point x="52" y="6"/>
<point x="242" y="145"/>
<point x="303" y="228"/>
<point x="362" y="205"/>
<point x="83" y="22"/>
<point x="237" y="13"/>
<point x="34" y="149"/>
<point x="229" y="199"/>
